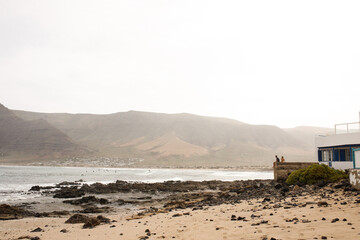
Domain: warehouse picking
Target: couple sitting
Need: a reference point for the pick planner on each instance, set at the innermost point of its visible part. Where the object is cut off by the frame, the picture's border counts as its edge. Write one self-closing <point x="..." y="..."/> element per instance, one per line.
<point x="278" y="160"/>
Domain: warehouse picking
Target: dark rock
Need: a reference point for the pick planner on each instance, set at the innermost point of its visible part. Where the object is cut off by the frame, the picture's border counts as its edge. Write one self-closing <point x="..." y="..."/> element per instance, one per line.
<point x="285" y="188"/>
<point x="323" y="203"/>
<point x="91" y="223"/>
<point x="69" y="192"/>
<point x="321" y="183"/>
<point x="35" y="188"/>
<point x="103" y="219"/>
<point x="103" y="201"/>
<point x="177" y="215"/>
<point x="78" y="218"/>
<point x="94" y="209"/>
<point x="63" y="230"/>
<point x="334" y="220"/>
<point x="83" y="200"/>
<point x="37" y="230"/>
<point x="8" y="212"/>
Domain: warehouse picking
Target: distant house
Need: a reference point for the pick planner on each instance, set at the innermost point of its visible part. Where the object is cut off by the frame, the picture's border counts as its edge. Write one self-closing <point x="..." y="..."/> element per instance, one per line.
<point x="340" y="150"/>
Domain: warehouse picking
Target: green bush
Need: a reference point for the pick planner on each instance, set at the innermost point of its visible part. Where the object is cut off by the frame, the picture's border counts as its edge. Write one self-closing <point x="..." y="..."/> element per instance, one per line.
<point x="315" y="173"/>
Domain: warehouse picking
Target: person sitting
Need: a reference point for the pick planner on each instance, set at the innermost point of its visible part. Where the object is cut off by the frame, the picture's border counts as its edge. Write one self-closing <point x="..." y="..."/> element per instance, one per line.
<point x="277" y="158"/>
<point x="282" y="159"/>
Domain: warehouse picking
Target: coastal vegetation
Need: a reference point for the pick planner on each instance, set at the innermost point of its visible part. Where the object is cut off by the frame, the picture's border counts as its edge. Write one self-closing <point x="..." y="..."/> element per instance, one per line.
<point x="314" y="174"/>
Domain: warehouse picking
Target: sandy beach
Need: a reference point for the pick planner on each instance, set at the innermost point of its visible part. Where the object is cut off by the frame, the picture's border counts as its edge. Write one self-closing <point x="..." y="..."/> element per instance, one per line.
<point x="308" y="212"/>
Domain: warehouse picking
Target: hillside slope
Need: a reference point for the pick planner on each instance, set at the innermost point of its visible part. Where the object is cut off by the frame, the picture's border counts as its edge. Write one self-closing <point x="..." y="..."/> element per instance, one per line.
<point x="181" y="139"/>
<point x="33" y="139"/>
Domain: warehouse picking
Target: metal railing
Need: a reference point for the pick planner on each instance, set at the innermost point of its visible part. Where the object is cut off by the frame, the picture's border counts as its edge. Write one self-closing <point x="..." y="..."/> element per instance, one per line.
<point x="347" y="127"/>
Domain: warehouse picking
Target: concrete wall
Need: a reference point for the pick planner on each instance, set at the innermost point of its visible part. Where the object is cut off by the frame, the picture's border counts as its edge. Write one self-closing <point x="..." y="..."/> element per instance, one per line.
<point x="337" y="140"/>
<point x="340" y="165"/>
<point x="283" y="170"/>
<point x="354" y="175"/>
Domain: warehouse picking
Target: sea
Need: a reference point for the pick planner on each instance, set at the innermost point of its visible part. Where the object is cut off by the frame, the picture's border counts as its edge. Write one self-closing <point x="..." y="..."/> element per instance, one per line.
<point x="15" y="181"/>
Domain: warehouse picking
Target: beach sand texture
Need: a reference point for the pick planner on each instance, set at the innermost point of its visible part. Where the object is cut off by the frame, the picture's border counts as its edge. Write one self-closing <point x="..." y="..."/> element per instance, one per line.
<point x="301" y="217"/>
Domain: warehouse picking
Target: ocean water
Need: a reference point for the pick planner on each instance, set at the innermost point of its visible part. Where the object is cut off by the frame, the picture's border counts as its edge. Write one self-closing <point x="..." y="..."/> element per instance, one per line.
<point x="15" y="181"/>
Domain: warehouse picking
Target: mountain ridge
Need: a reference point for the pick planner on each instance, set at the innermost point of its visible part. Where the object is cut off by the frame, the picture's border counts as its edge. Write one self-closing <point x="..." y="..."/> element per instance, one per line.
<point x="181" y="139"/>
<point x="32" y="139"/>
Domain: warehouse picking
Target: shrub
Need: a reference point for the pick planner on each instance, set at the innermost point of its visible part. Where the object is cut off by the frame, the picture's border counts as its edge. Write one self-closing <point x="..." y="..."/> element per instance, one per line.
<point x="315" y="173"/>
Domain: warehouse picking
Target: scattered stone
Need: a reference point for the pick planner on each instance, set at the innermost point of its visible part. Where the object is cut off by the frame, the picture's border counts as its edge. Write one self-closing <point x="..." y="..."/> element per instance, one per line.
<point x="37" y="230"/>
<point x="78" y="218"/>
<point x="177" y="215"/>
<point x="63" y="230"/>
<point x="323" y="203"/>
<point x="24" y="237"/>
<point x="334" y="220"/>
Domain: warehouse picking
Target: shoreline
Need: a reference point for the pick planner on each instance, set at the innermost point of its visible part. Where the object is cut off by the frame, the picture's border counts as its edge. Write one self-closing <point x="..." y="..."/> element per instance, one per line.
<point x="254" y="209"/>
<point x="239" y="169"/>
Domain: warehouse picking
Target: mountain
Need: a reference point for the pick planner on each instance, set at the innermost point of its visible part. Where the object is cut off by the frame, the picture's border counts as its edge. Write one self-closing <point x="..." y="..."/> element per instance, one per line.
<point x="157" y="139"/>
<point x="33" y="139"/>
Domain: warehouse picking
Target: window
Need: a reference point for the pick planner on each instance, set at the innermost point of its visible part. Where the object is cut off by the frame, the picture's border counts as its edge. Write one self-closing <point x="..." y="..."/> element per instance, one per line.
<point x="344" y="154"/>
<point x="327" y="155"/>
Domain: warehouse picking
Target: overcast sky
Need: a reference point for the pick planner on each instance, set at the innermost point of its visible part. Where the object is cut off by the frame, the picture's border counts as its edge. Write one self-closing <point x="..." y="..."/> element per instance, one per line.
<point x="285" y="63"/>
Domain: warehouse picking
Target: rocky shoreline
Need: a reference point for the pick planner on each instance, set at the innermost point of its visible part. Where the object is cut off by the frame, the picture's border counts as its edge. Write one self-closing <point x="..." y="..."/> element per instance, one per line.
<point x="144" y="200"/>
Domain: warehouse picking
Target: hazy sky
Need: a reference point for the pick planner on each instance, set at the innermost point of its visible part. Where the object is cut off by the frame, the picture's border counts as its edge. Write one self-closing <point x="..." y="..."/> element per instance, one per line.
<point x="284" y="63"/>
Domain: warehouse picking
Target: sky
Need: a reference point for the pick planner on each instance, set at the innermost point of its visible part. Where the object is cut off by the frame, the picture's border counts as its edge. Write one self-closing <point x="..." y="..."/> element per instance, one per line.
<point x="284" y="63"/>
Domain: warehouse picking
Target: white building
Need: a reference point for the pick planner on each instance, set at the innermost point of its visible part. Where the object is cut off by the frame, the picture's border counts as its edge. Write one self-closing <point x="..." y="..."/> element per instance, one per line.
<point x="340" y="150"/>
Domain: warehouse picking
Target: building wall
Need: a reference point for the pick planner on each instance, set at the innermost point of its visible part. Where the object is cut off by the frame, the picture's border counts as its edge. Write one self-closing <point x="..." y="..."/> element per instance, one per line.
<point x="339" y="165"/>
<point x="354" y="175"/>
<point x="283" y="170"/>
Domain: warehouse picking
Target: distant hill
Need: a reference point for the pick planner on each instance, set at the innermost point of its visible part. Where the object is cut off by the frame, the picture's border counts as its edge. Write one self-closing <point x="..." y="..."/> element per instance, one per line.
<point x="33" y="139"/>
<point x="180" y="139"/>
